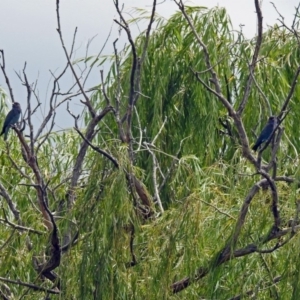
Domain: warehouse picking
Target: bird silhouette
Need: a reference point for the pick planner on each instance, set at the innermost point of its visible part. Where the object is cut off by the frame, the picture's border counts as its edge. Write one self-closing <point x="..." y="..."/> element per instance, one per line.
<point x="11" y="119"/>
<point x="266" y="132"/>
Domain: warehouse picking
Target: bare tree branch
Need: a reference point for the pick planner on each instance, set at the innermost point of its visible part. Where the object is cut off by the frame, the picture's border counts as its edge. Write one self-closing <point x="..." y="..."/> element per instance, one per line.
<point x="154" y="178"/>
<point x="87" y="100"/>
<point x="223" y="257"/>
<point x="29" y="285"/>
<point x="254" y="58"/>
<point x="97" y="149"/>
<point x="2" y="66"/>
<point x="10" y="203"/>
<point x="290" y="94"/>
<point x="89" y="135"/>
<point x="19" y="227"/>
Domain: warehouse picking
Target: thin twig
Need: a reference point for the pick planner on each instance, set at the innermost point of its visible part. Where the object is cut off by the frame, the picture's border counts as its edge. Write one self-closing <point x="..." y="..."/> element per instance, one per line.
<point x="160" y="130"/>
<point x="19" y="227"/>
<point x="217" y="209"/>
<point x="291" y="93"/>
<point x="87" y="100"/>
<point x="226" y="256"/>
<point x="10" y="203"/>
<point x="140" y="129"/>
<point x="29" y="285"/>
<point x="97" y="149"/>
<point x="254" y="58"/>
<point x="215" y="79"/>
<point x="155" y="184"/>
<point x="2" y="66"/>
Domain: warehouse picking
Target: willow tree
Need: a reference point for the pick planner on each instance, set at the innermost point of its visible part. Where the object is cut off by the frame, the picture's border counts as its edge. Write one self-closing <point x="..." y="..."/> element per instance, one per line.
<point x="159" y="195"/>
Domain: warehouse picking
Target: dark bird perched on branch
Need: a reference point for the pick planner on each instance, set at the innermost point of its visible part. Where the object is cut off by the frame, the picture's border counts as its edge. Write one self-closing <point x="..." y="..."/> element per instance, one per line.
<point x="11" y="119"/>
<point x="266" y="132"/>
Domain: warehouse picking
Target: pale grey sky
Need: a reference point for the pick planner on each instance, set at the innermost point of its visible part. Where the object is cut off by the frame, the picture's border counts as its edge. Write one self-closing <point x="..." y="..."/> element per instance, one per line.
<point x="28" y="30"/>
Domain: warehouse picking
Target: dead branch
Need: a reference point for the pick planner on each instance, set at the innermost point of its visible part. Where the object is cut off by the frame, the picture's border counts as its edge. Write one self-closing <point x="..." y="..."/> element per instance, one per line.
<point x="254" y="58"/>
<point x="266" y="285"/>
<point x="10" y="203"/>
<point x="154" y="177"/>
<point x="97" y="149"/>
<point x="19" y="227"/>
<point x="226" y="256"/>
<point x="2" y="66"/>
<point x="39" y="181"/>
<point x="29" y="285"/>
<point x="87" y="100"/>
<point x="89" y="135"/>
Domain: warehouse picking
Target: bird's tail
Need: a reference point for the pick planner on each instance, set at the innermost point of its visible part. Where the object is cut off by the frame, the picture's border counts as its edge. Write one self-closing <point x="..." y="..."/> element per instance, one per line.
<point x="255" y="147"/>
<point x="5" y="132"/>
